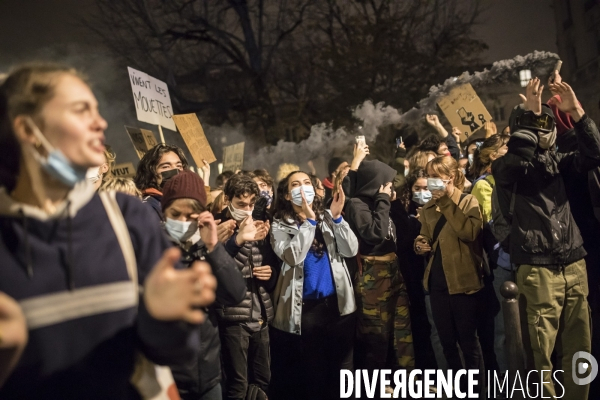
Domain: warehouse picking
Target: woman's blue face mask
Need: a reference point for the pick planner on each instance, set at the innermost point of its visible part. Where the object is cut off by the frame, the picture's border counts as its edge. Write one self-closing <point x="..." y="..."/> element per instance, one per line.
<point x="422" y="197"/>
<point x="309" y="194"/>
<point x="56" y="164"/>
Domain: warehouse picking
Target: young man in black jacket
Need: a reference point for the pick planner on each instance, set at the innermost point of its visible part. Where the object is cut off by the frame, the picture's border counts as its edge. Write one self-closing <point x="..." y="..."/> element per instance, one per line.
<point x="545" y="241"/>
<point x="244" y="326"/>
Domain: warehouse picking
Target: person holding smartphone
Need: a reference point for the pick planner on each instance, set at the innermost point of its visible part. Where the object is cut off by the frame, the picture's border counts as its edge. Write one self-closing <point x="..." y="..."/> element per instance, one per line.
<point x="451" y="227"/>
<point x="383" y="315"/>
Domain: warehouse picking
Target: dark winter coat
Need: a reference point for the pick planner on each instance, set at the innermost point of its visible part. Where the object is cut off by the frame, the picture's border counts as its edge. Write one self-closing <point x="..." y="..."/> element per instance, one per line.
<point x="204" y="372"/>
<point x="544" y="231"/>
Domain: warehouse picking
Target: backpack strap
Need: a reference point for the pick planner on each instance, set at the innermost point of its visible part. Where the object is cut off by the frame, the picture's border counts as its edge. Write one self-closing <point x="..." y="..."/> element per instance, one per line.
<point x="442" y="221"/>
<point x="109" y="200"/>
<point x="438" y="228"/>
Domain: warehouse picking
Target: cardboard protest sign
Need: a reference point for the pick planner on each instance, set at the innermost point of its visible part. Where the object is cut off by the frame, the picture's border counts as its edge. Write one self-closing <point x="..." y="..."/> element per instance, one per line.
<point x="125" y="170"/>
<point x="233" y="157"/>
<point x="152" y="100"/>
<point x="464" y="110"/>
<point x="195" y="139"/>
<point x="142" y="139"/>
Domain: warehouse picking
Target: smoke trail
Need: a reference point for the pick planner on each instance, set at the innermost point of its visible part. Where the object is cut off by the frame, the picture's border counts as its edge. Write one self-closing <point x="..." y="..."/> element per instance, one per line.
<point x="324" y="142"/>
<point x="502" y="72"/>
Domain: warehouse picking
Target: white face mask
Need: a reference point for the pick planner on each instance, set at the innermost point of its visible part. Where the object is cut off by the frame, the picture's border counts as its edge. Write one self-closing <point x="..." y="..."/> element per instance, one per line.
<point x="93" y="175"/>
<point x="181" y="230"/>
<point x="435" y="184"/>
<point x="239" y="215"/>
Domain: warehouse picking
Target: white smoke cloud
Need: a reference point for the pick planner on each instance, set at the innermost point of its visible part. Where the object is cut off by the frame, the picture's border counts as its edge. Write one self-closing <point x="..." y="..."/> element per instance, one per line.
<point x="324" y="142"/>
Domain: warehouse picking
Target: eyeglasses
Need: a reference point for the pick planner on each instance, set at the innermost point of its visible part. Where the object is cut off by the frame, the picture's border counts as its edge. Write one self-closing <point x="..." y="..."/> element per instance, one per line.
<point x="543" y="122"/>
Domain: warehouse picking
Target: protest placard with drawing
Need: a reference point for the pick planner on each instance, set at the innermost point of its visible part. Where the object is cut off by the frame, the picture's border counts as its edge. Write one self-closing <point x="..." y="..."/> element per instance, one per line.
<point x="464" y="109"/>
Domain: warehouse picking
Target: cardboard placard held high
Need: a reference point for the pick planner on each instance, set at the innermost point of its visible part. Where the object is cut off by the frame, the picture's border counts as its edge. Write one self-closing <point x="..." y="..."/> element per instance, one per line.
<point x="464" y="110"/>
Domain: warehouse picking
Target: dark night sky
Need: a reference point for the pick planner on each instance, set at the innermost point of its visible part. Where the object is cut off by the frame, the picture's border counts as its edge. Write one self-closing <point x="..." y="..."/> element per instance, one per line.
<point x="509" y="27"/>
<point x="41" y="29"/>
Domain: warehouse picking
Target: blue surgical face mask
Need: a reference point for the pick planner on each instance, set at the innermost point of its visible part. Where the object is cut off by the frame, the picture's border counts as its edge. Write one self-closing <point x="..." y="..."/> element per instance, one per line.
<point x="435" y="184"/>
<point x="406" y="171"/>
<point x="471" y="158"/>
<point x="181" y="230"/>
<point x="56" y="164"/>
<point x="309" y="194"/>
<point x="422" y="197"/>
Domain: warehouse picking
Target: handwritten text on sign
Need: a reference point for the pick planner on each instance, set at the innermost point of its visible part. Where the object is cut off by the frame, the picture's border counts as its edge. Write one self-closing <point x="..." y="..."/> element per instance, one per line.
<point x="152" y="100"/>
<point x="233" y="157"/>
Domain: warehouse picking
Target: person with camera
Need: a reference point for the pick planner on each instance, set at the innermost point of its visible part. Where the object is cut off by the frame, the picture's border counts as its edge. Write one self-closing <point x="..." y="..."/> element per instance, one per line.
<point x="544" y="240"/>
<point x="383" y="315"/>
<point x="244" y="327"/>
<point x="315" y="305"/>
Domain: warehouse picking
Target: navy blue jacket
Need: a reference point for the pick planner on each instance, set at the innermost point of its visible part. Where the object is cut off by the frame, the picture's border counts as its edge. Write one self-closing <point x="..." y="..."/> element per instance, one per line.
<point x="73" y="351"/>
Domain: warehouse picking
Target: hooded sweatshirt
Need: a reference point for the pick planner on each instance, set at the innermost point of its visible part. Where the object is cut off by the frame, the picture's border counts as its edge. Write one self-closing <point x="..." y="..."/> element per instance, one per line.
<point x="69" y="275"/>
<point x="368" y="212"/>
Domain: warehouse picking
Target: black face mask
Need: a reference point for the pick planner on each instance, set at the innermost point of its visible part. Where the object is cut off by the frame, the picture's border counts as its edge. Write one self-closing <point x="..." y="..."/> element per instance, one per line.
<point x="168" y="175"/>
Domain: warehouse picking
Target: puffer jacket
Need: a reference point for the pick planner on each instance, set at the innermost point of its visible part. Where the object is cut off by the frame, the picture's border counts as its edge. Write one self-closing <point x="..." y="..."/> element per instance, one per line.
<point x="250" y="255"/>
<point x="544" y="231"/>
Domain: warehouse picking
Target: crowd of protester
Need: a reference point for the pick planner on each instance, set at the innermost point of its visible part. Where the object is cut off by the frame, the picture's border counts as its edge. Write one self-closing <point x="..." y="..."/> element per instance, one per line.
<point x="259" y="287"/>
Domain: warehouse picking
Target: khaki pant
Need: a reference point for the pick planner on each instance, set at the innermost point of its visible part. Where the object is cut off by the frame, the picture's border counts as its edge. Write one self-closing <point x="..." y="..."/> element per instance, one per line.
<point x="557" y="314"/>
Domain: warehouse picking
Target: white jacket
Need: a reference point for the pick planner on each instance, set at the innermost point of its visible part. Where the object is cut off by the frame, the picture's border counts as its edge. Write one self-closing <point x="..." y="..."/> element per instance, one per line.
<point x="292" y="243"/>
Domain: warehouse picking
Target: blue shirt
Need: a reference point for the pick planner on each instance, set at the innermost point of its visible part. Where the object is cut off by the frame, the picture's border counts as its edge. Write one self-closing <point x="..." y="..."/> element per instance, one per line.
<point x="318" y="278"/>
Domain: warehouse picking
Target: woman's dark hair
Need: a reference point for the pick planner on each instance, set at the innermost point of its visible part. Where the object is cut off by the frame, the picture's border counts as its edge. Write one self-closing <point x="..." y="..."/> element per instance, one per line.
<point x="482" y="155"/>
<point x="25" y="91"/>
<point x="239" y="185"/>
<point x="406" y="195"/>
<point x="146" y="176"/>
<point x="284" y="210"/>
<point x="247" y="173"/>
<point x="264" y="176"/>
<point x="223" y="177"/>
<point x="315" y="181"/>
<point x="431" y="143"/>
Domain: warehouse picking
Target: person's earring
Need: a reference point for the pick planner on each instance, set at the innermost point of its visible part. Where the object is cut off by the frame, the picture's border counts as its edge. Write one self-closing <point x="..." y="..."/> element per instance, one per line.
<point x="38" y="144"/>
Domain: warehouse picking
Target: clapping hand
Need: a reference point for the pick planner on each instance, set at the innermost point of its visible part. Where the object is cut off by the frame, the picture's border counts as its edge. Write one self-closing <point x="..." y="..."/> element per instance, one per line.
<point x="247" y="232"/>
<point x="178" y="294"/>
<point x="337" y="205"/>
<point x="262" y="229"/>
<point x="225" y="229"/>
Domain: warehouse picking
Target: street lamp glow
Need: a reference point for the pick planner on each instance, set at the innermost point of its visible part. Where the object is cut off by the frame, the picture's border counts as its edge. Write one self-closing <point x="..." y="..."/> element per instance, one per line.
<point x="524" y="76"/>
